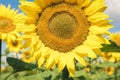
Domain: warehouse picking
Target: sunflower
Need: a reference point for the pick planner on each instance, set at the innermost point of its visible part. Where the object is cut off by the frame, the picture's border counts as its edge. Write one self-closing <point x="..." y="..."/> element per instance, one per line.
<point x="113" y="56"/>
<point x="109" y="70"/>
<point x="15" y="45"/>
<point x="10" y="23"/>
<point x="65" y="31"/>
<point x="27" y="56"/>
<point x="115" y="37"/>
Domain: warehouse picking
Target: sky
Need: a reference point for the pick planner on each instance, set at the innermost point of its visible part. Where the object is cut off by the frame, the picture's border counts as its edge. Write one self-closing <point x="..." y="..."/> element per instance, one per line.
<point x="113" y="11"/>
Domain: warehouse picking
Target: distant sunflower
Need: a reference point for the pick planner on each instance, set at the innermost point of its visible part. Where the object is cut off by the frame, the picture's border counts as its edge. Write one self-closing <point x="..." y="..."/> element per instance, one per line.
<point x="27" y="57"/>
<point x="65" y="30"/>
<point x="113" y="56"/>
<point x="109" y="70"/>
<point x="115" y="37"/>
<point x="15" y="45"/>
<point x="10" y="23"/>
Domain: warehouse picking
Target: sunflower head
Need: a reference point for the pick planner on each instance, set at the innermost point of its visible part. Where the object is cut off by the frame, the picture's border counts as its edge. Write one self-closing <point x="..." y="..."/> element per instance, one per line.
<point x="116" y="38"/>
<point x="111" y="56"/>
<point x="14" y="45"/>
<point x="109" y="70"/>
<point x="27" y="57"/>
<point x="65" y="30"/>
<point x="11" y="23"/>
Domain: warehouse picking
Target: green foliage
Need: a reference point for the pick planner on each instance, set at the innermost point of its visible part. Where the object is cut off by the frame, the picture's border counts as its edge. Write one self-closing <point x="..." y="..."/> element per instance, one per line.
<point x="112" y="47"/>
<point x="96" y="71"/>
<point x="19" y="65"/>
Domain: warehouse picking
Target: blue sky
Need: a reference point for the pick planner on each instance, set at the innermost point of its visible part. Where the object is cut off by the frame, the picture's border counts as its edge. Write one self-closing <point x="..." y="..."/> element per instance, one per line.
<point x="114" y="13"/>
<point x="13" y="3"/>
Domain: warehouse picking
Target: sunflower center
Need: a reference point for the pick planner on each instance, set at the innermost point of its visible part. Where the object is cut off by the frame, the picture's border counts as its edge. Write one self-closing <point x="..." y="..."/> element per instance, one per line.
<point x="3" y="24"/>
<point x="6" y="25"/>
<point x="62" y="25"/>
<point x="15" y="43"/>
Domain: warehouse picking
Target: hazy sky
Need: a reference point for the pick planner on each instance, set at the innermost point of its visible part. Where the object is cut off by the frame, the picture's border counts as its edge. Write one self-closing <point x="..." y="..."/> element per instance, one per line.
<point x="113" y="11"/>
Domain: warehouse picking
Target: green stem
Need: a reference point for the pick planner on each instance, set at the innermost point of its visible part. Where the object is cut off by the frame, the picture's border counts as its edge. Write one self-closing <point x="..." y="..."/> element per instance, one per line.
<point x="90" y="63"/>
<point x="115" y="73"/>
<point x="65" y="74"/>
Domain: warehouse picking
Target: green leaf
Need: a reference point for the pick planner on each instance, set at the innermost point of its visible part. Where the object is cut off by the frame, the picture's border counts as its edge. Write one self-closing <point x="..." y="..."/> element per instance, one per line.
<point x="110" y="47"/>
<point x="19" y="65"/>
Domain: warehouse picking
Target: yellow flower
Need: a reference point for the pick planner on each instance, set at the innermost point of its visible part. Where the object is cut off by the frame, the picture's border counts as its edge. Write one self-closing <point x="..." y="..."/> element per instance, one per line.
<point x="113" y="56"/>
<point x="116" y="38"/>
<point x="14" y="45"/>
<point x="63" y="31"/>
<point x="109" y="70"/>
<point x="87" y="69"/>
<point x="10" y="23"/>
<point x="27" y="57"/>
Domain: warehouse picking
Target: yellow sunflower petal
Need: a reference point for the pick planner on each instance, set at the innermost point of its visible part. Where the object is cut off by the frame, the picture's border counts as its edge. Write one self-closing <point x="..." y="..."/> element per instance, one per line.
<point x="80" y="60"/>
<point x="97" y="38"/>
<point x="40" y="61"/>
<point x="85" y="50"/>
<point x="95" y="6"/>
<point x="62" y="61"/>
<point x="50" y="61"/>
<point x="32" y="11"/>
<point x="97" y="17"/>
<point x="71" y="67"/>
<point x="85" y="3"/>
<point x="99" y="30"/>
<point x="4" y="36"/>
<point x="41" y="3"/>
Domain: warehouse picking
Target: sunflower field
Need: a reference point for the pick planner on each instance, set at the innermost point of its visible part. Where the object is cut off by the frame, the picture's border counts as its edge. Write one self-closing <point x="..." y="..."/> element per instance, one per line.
<point x="58" y="40"/>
